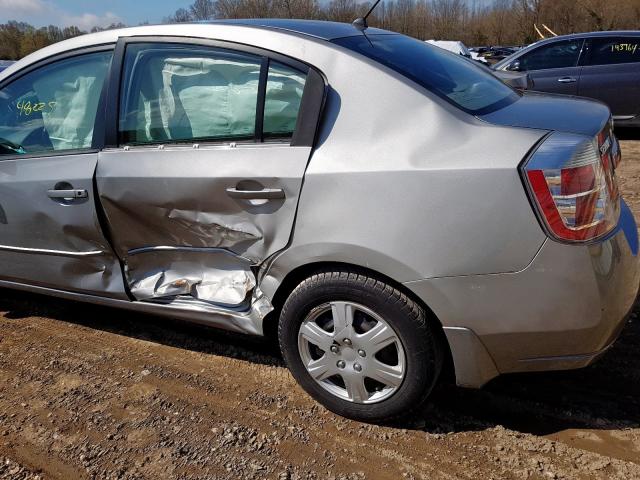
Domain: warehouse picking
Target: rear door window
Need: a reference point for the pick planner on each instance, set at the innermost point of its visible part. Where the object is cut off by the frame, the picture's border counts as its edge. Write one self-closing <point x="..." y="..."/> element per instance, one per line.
<point x="562" y="54"/>
<point x="614" y="50"/>
<point x="283" y="96"/>
<point x="53" y="108"/>
<point x="188" y="93"/>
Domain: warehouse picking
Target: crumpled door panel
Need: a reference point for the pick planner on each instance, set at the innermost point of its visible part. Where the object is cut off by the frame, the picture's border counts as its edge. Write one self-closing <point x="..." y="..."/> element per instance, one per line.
<point x="177" y="229"/>
<point x="162" y="223"/>
<point x="205" y="274"/>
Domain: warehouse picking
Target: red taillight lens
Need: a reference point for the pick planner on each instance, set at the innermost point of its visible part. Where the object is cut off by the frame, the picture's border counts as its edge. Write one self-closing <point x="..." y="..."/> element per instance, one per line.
<point x="573" y="181"/>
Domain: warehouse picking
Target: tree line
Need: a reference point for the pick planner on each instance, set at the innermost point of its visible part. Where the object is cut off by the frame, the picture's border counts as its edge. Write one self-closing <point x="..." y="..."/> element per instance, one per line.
<point x="18" y="39"/>
<point x="500" y="22"/>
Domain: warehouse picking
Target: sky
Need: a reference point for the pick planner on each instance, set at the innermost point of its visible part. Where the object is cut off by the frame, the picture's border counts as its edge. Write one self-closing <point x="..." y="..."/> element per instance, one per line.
<point x="88" y="13"/>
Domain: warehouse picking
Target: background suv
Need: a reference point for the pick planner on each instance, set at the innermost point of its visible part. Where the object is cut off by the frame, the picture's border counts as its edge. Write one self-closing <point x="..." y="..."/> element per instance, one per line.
<point x="600" y="65"/>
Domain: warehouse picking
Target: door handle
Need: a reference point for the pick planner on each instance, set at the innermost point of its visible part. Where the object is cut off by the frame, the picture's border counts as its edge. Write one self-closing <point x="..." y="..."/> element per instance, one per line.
<point x="67" y="193"/>
<point x="264" y="194"/>
<point x="567" y="80"/>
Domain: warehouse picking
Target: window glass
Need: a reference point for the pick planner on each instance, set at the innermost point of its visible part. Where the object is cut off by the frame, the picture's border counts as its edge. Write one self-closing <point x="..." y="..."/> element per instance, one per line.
<point x="613" y="50"/>
<point x="282" y="100"/>
<point x="561" y="54"/>
<point x="54" y="107"/>
<point x="176" y="93"/>
<point x="453" y="77"/>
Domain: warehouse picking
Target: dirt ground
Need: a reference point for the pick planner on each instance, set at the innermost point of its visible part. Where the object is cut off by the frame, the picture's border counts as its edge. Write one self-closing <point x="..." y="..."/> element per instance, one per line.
<point x="89" y="392"/>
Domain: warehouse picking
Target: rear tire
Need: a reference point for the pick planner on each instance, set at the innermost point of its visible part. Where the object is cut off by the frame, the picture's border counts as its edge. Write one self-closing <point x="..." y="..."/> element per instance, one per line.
<point x="359" y="346"/>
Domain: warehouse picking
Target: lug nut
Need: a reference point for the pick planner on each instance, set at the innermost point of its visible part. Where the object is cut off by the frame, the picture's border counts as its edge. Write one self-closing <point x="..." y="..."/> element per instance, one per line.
<point x="362" y="353"/>
<point x="347" y="341"/>
<point x="357" y="367"/>
<point x="341" y="364"/>
<point x="334" y="348"/>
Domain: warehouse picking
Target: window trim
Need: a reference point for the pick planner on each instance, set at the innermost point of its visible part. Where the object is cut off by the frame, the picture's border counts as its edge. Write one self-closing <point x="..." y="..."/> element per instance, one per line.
<point x="589" y="50"/>
<point x="55" y="153"/>
<point x="97" y="141"/>
<point x="311" y="107"/>
<point x="56" y="58"/>
<point x="258" y="133"/>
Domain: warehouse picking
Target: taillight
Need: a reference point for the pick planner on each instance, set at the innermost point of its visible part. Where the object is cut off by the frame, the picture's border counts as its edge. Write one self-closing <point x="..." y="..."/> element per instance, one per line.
<point x="572" y="179"/>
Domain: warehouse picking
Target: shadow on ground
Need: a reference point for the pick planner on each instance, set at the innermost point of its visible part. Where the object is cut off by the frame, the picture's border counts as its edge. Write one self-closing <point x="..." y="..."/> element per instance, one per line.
<point x="162" y="330"/>
<point x="628" y="133"/>
<point x="605" y="395"/>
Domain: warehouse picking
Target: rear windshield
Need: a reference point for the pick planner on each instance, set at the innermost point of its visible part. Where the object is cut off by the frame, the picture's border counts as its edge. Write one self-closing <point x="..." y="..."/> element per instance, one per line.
<point x="457" y="79"/>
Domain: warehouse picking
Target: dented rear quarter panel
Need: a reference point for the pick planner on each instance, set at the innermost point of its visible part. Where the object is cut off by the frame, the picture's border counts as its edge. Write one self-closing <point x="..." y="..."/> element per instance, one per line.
<point x="409" y="186"/>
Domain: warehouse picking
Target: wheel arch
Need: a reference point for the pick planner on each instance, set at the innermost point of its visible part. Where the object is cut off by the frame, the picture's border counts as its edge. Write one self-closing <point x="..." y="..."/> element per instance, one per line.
<point x="294" y="277"/>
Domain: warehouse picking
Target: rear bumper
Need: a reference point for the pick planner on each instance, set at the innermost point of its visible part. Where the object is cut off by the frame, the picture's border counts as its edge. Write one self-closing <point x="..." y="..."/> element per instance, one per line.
<point x="561" y="312"/>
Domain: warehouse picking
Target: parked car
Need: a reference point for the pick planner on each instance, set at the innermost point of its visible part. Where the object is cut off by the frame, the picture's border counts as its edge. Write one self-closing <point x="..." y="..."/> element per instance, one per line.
<point x="458" y="47"/>
<point x="495" y="54"/>
<point x="601" y="65"/>
<point x="309" y="179"/>
<point x="480" y="50"/>
<point x="4" y="64"/>
<point x="517" y="80"/>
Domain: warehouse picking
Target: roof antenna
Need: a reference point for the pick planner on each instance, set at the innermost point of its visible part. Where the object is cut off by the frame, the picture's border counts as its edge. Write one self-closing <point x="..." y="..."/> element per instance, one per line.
<point x="361" y="22"/>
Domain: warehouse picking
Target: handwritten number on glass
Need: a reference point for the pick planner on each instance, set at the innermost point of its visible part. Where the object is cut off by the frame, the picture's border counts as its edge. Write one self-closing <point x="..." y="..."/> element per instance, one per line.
<point x="29" y="108"/>
<point x="625" y="48"/>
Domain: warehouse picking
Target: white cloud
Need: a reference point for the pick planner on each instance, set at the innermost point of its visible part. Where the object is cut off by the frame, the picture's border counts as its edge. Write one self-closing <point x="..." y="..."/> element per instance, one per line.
<point x="87" y="21"/>
<point x="23" y="6"/>
<point x="43" y="12"/>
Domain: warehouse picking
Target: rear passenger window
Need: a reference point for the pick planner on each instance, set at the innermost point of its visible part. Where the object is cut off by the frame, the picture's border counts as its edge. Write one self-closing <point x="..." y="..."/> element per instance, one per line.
<point x="562" y="54"/>
<point x="179" y="93"/>
<point x="282" y="100"/>
<point x="614" y="50"/>
<point x="54" y="107"/>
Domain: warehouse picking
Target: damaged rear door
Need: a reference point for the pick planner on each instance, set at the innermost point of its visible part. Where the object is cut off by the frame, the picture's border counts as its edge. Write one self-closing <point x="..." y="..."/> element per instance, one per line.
<point x="212" y="145"/>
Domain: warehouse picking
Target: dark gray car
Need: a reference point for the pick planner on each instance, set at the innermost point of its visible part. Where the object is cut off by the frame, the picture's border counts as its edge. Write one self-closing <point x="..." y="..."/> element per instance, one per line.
<point x="600" y="65"/>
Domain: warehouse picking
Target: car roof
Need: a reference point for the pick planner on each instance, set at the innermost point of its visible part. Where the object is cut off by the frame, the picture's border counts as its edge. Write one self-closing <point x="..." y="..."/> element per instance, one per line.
<point x="609" y="33"/>
<point x="573" y="36"/>
<point x="314" y="28"/>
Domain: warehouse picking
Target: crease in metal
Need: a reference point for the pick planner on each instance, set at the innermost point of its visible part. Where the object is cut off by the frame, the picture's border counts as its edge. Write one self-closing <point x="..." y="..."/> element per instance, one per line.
<point x="168" y="248"/>
<point x="43" y="251"/>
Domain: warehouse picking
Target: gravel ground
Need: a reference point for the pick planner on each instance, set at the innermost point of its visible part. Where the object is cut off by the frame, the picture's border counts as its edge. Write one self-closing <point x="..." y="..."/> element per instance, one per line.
<point x="89" y="392"/>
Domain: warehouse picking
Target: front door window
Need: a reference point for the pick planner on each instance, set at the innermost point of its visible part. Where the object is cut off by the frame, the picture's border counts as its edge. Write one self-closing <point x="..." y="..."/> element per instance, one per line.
<point x="563" y="54"/>
<point x="53" y="108"/>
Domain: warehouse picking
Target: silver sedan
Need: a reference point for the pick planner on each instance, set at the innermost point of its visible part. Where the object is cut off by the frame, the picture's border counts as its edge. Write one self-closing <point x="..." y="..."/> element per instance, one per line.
<point x="387" y="209"/>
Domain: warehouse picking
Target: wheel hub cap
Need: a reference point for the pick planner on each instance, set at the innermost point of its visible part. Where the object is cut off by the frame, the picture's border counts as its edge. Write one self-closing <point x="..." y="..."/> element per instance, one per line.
<point x="352" y="352"/>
